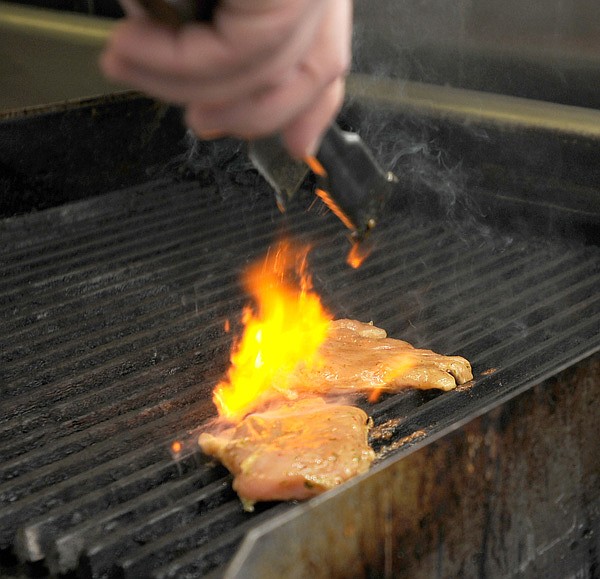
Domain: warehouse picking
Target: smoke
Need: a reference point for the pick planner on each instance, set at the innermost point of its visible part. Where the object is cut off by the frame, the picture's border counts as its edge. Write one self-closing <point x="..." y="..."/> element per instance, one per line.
<point x="536" y="50"/>
<point x="434" y="182"/>
<point x="223" y="162"/>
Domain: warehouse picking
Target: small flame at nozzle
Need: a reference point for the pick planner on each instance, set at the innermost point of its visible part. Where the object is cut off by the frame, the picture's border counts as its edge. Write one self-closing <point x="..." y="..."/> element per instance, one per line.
<point x="359" y="251"/>
<point x="335" y="209"/>
<point x="353" y="185"/>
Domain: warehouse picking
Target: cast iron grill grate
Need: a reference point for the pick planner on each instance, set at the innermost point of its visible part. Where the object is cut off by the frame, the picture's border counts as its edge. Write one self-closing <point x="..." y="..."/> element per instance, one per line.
<point x="112" y="337"/>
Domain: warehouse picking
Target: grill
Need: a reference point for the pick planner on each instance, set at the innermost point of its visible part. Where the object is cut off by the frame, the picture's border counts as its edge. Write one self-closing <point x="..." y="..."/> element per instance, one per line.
<point x="116" y="290"/>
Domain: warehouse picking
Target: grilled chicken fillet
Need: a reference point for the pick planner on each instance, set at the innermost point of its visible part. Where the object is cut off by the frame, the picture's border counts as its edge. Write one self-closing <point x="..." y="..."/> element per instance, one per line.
<point x="295" y="451"/>
<point x="360" y="357"/>
<point x="306" y="446"/>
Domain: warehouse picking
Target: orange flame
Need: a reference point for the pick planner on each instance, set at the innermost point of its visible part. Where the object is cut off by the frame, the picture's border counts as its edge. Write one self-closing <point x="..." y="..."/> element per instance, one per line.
<point x="398" y="366"/>
<point x="286" y="329"/>
<point x="357" y="254"/>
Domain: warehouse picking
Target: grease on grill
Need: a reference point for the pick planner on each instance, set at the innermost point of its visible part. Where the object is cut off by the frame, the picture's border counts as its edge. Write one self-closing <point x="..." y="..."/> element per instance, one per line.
<point x="384" y="432"/>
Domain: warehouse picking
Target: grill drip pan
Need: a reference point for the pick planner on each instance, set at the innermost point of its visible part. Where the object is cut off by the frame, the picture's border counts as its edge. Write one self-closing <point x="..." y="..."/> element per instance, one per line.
<point x="113" y="315"/>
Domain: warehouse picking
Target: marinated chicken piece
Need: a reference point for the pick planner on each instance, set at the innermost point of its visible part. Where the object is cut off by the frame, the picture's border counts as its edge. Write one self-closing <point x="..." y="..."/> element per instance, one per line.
<point x="295" y="451"/>
<point x="360" y="357"/>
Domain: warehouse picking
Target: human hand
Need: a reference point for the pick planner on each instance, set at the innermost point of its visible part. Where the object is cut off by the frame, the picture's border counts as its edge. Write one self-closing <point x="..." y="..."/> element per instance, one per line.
<point x="260" y="67"/>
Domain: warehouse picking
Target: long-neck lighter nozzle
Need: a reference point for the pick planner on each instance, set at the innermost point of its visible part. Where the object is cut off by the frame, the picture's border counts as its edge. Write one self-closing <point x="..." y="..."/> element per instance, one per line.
<point x="351" y="183"/>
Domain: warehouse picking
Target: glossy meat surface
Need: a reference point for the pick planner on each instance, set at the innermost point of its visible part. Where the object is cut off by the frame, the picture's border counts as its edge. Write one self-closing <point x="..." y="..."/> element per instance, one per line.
<point x="360" y="357"/>
<point x="306" y="446"/>
<point x="295" y="451"/>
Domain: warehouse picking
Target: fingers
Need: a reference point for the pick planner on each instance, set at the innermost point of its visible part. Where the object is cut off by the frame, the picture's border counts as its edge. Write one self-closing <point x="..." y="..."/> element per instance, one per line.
<point x="302" y="126"/>
<point x="260" y="67"/>
<point x="301" y="107"/>
<point x="235" y="40"/>
<point x="303" y="135"/>
<point x="194" y="49"/>
<point x="202" y="86"/>
<point x="143" y="43"/>
<point x="301" y="99"/>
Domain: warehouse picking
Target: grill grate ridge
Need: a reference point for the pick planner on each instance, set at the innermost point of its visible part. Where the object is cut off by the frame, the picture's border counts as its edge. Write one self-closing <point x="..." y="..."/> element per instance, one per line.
<point x="97" y="388"/>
